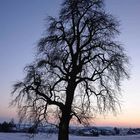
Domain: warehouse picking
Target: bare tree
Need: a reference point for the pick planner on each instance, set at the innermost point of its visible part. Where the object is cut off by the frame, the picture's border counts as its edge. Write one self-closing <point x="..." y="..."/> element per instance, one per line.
<point x="77" y="70"/>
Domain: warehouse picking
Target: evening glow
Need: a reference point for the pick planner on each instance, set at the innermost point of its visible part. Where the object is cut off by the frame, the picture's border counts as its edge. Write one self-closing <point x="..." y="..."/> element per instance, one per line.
<point x="22" y="24"/>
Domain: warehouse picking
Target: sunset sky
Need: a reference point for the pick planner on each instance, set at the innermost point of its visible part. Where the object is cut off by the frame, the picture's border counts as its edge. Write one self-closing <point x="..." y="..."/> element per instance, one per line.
<point x="22" y="23"/>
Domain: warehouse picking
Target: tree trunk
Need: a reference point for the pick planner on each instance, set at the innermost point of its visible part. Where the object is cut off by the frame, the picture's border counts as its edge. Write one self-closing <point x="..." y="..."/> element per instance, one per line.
<point x="66" y="112"/>
<point x="64" y="128"/>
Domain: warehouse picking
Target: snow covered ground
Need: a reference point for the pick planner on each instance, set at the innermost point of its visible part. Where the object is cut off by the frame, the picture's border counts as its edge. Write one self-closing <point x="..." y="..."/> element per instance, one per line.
<point x="22" y="136"/>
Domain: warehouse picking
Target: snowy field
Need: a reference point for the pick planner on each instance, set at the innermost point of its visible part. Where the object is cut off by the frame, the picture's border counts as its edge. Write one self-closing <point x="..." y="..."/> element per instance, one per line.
<point x="22" y="136"/>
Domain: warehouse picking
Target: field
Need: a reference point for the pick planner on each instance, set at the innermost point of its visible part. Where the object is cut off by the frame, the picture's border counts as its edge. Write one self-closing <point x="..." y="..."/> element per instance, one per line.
<point x="22" y="136"/>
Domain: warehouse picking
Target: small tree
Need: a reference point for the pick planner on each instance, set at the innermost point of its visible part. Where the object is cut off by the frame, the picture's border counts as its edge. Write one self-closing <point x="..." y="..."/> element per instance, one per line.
<point x="117" y="131"/>
<point x="77" y="70"/>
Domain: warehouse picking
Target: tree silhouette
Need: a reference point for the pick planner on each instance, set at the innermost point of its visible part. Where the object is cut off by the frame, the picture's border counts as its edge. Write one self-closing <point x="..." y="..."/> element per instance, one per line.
<point x="77" y="70"/>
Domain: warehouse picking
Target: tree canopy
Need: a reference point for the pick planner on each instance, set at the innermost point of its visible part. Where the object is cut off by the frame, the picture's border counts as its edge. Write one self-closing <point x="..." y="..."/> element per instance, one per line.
<point x="77" y="70"/>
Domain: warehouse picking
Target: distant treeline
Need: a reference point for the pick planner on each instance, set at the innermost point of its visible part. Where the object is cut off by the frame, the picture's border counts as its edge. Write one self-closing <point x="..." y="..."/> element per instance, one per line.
<point x="7" y="126"/>
<point x="79" y="131"/>
<point x="13" y="127"/>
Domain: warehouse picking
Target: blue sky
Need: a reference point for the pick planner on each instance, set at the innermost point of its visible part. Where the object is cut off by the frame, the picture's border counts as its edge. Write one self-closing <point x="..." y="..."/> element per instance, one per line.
<point x="22" y="23"/>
